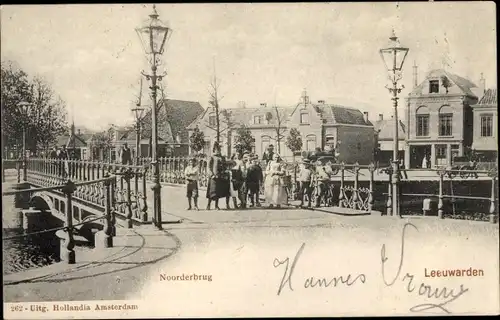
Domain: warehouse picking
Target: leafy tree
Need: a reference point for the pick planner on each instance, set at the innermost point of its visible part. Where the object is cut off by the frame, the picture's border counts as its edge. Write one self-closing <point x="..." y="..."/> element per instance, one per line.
<point x="197" y="140"/>
<point x="294" y="140"/>
<point x="46" y="118"/>
<point x="244" y="140"/>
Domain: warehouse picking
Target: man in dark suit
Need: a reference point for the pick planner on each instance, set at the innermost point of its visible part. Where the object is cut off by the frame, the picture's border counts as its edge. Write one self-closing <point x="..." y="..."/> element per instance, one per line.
<point x="268" y="155"/>
<point x="254" y="180"/>
<point x="125" y="154"/>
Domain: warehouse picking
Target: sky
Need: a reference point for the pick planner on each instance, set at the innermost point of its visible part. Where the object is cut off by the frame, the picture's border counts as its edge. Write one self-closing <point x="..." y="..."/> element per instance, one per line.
<point x="92" y="56"/>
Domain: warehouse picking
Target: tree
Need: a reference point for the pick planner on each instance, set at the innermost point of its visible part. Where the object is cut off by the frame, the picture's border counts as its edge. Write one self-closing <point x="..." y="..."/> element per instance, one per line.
<point x="279" y="120"/>
<point x="294" y="141"/>
<point x="221" y="116"/>
<point x="100" y="143"/>
<point x="244" y="140"/>
<point x="446" y="83"/>
<point x="46" y="118"/>
<point x="197" y="140"/>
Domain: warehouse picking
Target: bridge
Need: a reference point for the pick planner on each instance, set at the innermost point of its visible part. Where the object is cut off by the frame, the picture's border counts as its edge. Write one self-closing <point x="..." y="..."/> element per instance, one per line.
<point x="85" y="201"/>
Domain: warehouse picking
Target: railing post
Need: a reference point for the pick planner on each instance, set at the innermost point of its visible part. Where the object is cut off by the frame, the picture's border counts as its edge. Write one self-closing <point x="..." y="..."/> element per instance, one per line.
<point x="68" y="190"/>
<point x="341" y="193"/>
<point x="18" y="166"/>
<point x="144" y="213"/>
<point x="389" y="193"/>
<point x="493" y="174"/>
<point x="108" y="226"/>
<point x="371" y="168"/>
<point x="127" y="175"/>
<point x="355" y="195"/>
<point x="441" y="173"/>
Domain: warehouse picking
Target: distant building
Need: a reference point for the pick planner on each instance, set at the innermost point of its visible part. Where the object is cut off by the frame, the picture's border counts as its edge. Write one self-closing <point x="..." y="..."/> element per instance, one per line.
<point x="439" y="118"/>
<point x="485" y="138"/>
<point x="347" y="129"/>
<point x="173" y="118"/>
<point x="384" y="130"/>
<point x="75" y="142"/>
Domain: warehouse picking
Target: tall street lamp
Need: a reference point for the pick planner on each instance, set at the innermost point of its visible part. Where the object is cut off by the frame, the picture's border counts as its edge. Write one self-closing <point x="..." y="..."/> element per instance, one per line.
<point x="153" y="35"/>
<point x="394" y="57"/>
<point x="138" y="114"/>
<point x="25" y="107"/>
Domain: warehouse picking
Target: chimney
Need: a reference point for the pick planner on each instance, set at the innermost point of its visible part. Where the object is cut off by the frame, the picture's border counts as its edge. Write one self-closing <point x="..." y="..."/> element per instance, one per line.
<point x="263" y="104"/>
<point x="365" y="116"/>
<point x="380" y="117"/>
<point x="482" y="84"/>
<point x="321" y="101"/>
<point x="415" y="74"/>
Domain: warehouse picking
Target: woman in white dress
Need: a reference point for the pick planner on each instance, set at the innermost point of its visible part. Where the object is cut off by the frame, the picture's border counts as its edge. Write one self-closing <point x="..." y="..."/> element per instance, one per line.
<point x="274" y="185"/>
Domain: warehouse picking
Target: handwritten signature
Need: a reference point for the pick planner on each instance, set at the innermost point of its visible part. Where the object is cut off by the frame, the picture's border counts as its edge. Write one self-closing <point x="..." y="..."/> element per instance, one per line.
<point x="445" y="294"/>
<point x="427" y="291"/>
<point x="312" y="282"/>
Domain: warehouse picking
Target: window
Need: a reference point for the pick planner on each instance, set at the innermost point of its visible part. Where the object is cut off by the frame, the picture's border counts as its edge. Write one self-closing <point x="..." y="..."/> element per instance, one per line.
<point x="434" y="86"/>
<point x="257" y="119"/>
<point x="212" y="120"/>
<point x="84" y="154"/>
<point x="487" y="125"/>
<point x="422" y="125"/>
<point x="310" y="143"/>
<point x="445" y="124"/>
<point x="441" y="154"/>
<point x="304" y="118"/>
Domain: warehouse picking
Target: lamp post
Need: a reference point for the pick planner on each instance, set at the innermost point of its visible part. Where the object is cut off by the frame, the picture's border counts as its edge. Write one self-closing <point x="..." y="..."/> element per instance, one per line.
<point x="153" y="35"/>
<point x="394" y="56"/>
<point x="138" y="114"/>
<point x="24" y="106"/>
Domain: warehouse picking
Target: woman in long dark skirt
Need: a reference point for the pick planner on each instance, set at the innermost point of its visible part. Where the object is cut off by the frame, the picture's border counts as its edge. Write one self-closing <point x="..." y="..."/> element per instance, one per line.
<point x="218" y="184"/>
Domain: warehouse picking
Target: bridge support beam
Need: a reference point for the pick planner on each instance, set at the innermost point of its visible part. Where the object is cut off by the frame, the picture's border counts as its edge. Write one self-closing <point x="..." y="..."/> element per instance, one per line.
<point x="21" y="199"/>
<point x="31" y="220"/>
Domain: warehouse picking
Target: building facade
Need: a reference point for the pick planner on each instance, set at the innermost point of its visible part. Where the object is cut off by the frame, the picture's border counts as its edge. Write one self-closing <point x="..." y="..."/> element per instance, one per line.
<point x="384" y="131"/>
<point x="319" y="124"/>
<point x="439" y="119"/>
<point x="485" y="137"/>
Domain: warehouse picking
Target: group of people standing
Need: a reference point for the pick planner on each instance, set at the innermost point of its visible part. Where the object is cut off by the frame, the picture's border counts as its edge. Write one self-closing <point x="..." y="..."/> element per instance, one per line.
<point x="239" y="179"/>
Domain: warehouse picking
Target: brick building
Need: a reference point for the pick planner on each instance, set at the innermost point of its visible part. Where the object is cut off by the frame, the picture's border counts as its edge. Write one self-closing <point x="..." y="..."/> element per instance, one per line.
<point x="348" y="129"/>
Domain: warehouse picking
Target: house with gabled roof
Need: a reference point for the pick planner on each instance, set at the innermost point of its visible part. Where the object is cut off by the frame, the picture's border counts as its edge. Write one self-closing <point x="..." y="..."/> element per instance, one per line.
<point x="173" y="118"/>
<point x="384" y="131"/>
<point x="485" y="140"/>
<point x="439" y="118"/>
<point x="320" y="124"/>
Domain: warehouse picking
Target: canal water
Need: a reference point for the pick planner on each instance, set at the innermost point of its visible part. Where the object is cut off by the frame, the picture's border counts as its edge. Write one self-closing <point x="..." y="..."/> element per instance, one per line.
<point x="24" y="252"/>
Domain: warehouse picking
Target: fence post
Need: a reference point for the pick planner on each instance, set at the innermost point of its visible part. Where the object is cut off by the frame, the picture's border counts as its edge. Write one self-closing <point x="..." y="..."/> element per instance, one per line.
<point x="108" y="227"/>
<point x="493" y="174"/>
<point x="127" y="175"/>
<point x="355" y="195"/>
<point x="341" y="193"/>
<point x="389" y="193"/>
<point x="371" y="168"/>
<point x="441" y="173"/>
<point x="144" y="214"/>
<point x="18" y="167"/>
<point x="68" y="190"/>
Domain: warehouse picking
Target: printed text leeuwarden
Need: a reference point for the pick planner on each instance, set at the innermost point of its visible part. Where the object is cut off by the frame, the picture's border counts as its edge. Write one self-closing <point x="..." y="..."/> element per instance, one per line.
<point x="430" y="273"/>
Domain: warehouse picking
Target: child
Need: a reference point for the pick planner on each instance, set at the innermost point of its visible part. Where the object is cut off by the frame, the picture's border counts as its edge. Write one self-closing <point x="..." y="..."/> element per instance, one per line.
<point x="191" y="173"/>
<point x="254" y="179"/>
<point x="305" y="177"/>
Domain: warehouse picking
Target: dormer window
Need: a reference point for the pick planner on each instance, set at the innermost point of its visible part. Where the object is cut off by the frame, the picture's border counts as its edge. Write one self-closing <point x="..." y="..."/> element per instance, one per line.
<point x="433" y="86"/>
<point x="304" y="118"/>
<point x="257" y="119"/>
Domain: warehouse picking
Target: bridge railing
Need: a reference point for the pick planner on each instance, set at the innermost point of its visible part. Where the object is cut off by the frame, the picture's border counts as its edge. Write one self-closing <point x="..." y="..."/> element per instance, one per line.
<point x="129" y="191"/>
<point x="68" y="189"/>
